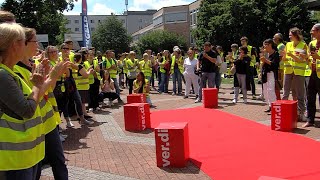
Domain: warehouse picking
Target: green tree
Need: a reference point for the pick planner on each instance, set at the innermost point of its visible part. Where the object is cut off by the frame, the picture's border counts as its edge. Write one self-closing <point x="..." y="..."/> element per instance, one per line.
<point x="224" y="22"/>
<point x="159" y="40"/>
<point x="110" y="34"/>
<point x="62" y="31"/>
<point x="43" y="15"/>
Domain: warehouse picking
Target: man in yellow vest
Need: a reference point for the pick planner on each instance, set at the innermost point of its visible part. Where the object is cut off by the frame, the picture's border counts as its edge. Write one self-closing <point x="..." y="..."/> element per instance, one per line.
<point x="244" y="42"/>
<point x="176" y="71"/>
<point x="278" y="40"/>
<point x="69" y="44"/>
<point x="110" y="65"/>
<point x="314" y="82"/>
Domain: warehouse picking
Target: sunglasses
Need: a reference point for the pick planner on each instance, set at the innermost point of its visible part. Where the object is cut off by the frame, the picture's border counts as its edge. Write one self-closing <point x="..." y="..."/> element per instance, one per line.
<point x="65" y="48"/>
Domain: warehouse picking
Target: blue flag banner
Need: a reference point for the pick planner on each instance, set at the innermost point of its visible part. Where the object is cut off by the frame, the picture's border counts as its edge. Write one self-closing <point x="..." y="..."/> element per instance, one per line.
<point x="86" y="35"/>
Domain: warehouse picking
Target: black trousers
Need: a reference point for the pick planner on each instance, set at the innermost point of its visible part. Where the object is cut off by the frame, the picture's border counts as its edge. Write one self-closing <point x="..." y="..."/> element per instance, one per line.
<point x="54" y="156"/>
<point x="131" y="85"/>
<point x="250" y="80"/>
<point x="313" y="90"/>
<point x="110" y="95"/>
<point x="94" y="94"/>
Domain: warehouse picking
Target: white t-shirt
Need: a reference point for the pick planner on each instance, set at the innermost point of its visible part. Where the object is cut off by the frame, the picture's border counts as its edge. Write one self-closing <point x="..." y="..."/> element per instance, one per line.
<point x="190" y="65"/>
<point x="107" y="86"/>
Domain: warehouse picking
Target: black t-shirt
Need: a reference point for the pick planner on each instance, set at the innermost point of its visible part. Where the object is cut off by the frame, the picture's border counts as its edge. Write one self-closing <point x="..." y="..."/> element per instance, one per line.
<point x="242" y="66"/>
<point x="274" y="66"/>
<point x="206" y="64"/>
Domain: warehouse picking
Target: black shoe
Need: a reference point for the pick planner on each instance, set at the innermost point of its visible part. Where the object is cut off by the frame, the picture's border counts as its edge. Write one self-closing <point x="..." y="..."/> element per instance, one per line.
<point x="240" y="92"/>
<point x="232" y="92"/>
<point x="87" y="117"/>
<point x="267" y="110"/>
<point x="185" y="97"/>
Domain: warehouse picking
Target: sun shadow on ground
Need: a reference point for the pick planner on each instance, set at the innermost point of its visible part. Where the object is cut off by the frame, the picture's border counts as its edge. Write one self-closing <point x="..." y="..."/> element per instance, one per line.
<point x="191" y="168"/>
<point x="300" y="131"/>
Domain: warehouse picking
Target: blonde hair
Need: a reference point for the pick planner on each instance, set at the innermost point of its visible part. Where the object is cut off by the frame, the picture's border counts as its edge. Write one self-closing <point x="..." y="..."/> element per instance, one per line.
<point x="9" y="33"/>
<point x="6" y="16"/>
<point x="145" y="55"/>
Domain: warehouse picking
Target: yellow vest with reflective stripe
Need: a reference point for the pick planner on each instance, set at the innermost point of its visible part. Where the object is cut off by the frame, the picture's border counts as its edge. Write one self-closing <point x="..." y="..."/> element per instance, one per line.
<point x="253" y="59"/>
<point x="87" y="66"/>
<point x="145" y="67"/>
<point x="125" y="66"/>
<point x="180" y="63"/>
<point x="82" y="83"/>
<point x="294" y="67"/>
<point x="318" y="66"/>
<point x="112" y="72"/>
<point x="162" y="70"/>
<point x="52" y="100"/>
<point x="281" y="64"/>
<point x="50" y="121"/>
<point x="136" y="85"/>
<point x="21" y="140"/>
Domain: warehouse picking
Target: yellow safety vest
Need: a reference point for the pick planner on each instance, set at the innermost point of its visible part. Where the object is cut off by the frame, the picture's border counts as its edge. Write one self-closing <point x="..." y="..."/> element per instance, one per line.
<point x="180" y="63"/>
<point x="162" y="70"/>
<point x="290" y="66"/>
<point x="253" y="59"/>
<point x="87" y="66"/>
<point x="63" y="88"/>
<point x="281" y="64"/>
<point x="82" y="83"/>
<point x="21" y="140"/>
<point x="136" y="85"/>
<point x="145" y="67"/>
<point x="49" y="118"/>
<point x="125" y="66"/>
<point x="108" y="64"/>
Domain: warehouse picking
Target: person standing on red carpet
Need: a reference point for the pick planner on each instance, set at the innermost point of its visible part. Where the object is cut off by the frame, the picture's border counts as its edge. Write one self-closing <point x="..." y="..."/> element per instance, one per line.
<point x="270" y="72"/>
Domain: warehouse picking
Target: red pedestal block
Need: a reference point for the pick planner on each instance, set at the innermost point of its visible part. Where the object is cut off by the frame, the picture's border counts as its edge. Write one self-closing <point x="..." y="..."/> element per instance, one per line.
<point x="172" y="144"/>
<point x="136" y="116"/>
<point x="210" y="97"/>
<point x="284" y="115"/>
<point x="136" y="98"/>
<point x="270" y="178"/>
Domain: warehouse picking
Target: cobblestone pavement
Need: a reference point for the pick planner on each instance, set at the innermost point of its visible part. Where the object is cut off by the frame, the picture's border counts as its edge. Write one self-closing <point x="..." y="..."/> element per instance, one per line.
<point x="106" y="151"/>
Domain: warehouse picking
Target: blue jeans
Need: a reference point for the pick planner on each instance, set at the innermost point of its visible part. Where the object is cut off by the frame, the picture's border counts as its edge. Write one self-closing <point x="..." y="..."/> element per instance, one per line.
<point x="163" y="82"/>
<point x="176" y="76"/>
<point x="75" y="96"/>
<point x="55" y="156"/>
<point x="218" y="79"/>
<point x="205" y="76"/>
<point x="25" y="174"/>
<point x="116" y="85"/>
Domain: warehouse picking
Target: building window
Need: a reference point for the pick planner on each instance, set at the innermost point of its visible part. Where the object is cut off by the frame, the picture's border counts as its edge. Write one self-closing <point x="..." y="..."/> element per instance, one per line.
<point x="194" y="17"/>
<point x="92" y="21"/>
<point x="176" y="17"/>
<point x="76" y="21"/>
<point x="76" y="29"/>
<point x="157" y="20"/>
<point x="99" y="21"/>
<point x="93" y="29"/>
<point x="191" y="20"/>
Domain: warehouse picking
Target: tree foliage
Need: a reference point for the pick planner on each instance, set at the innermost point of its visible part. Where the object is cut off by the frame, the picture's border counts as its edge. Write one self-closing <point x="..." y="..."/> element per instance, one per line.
<point x="159" y="40"/>
<point x="110" y="34"/>
<point x="43" y="15"/>
<point x="224" y="22"/>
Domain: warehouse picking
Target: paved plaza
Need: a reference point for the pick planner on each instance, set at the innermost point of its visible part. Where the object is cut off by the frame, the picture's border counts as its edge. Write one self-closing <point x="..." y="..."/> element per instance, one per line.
<point x="106" y="151"/>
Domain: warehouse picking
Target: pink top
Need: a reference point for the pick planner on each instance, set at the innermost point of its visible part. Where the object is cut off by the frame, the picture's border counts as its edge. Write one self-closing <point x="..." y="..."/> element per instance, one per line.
<point x="107" y="86"/>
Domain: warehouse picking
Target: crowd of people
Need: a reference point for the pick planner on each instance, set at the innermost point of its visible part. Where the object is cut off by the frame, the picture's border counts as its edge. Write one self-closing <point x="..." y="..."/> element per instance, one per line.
<point x="37" y="87"/>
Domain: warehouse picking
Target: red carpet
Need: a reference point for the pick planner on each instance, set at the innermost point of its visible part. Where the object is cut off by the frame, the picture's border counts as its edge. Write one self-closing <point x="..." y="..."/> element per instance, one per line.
<point x="228" y="147"/>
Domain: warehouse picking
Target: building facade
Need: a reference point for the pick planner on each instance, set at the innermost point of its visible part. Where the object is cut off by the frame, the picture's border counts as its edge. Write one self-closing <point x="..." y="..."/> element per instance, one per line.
<point x="178" y="19"/>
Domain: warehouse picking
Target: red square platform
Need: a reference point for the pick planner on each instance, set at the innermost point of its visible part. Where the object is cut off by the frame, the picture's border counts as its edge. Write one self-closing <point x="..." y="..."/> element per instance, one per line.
<point x="172" y="144"/>
<point x="210" y="97"/>
<point x="284" y="115"/>
<point x="136" y="98"/>
<point x="136" y="116"/>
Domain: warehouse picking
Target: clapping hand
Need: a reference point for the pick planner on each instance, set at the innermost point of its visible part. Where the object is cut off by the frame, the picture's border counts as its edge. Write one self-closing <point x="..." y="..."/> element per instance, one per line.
<point x="37" y="77"/>
<point x="59" y="69"/>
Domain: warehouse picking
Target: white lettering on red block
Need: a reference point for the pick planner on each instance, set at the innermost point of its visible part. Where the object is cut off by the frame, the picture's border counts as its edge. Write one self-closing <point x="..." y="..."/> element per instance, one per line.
<point x="143" y="117"/>
<point x="277" y="109"/>
<point x="142" y="98"/>
<point x="165" y="146"/>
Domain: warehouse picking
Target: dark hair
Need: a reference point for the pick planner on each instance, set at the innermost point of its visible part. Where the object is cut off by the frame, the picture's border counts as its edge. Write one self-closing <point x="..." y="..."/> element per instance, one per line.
<point x="104" y="74"/>
<point x="270" y="41"/>
<point x="143" y="81"/>
<point x="6" y="16"/>
<point x="244" y="49"/>
<point x="77" y="57"/>
<point x="207" y="44"/>
<point x="296" y="32"/>
<point x="67" y="41"/>
<point x="30" y="33"/>
<point x="280" y="37"/>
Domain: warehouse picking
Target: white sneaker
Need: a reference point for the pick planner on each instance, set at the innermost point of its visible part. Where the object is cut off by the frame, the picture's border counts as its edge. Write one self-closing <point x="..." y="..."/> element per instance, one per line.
<point x="197" y="101"/>
<point x="90" y="109"/>
<point x="235" y="101"/>
<point x="69" y="124"/>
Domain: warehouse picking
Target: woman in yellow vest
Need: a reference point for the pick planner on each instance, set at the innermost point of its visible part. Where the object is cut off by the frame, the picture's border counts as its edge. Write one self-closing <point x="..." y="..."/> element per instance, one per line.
<point x="295" y="58"/>
<point x="165" y="71"/>
<point x="146" y="66"/>
<point x="50" y="118"/>
<point x="142" y="86"/>
<point x="176" y="71"/>
<point x="94" y="80"/>
<point x="82" y="84"/>
<point x="21" y="129"/>
<point x="132" y="65"/>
